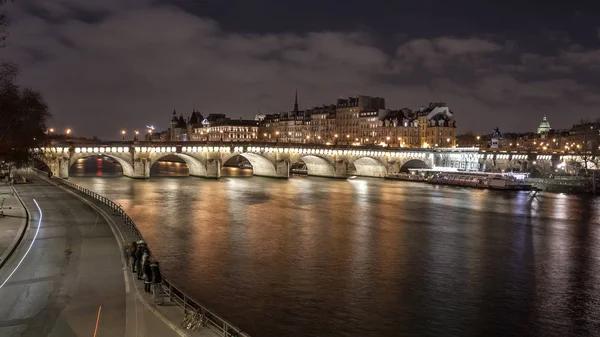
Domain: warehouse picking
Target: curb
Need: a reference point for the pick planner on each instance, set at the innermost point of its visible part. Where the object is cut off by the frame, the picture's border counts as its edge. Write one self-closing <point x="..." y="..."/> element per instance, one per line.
<point x="17" y="240"/>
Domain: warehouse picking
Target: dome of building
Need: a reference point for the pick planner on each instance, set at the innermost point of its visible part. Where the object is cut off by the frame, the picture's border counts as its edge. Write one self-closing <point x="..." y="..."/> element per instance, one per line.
<point x="544" y="126"/>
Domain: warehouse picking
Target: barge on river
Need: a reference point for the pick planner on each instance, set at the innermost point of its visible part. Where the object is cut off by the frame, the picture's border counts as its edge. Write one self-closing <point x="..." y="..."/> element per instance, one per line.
<point x="497" y="181"/>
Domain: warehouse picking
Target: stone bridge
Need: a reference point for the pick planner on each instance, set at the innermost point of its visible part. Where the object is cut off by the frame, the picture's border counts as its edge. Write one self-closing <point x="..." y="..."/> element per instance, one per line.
<point x="274" y="160"/>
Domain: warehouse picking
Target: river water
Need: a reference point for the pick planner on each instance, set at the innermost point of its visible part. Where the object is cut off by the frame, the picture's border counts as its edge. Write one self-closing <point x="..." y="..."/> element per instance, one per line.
<point x="368" y="257"/>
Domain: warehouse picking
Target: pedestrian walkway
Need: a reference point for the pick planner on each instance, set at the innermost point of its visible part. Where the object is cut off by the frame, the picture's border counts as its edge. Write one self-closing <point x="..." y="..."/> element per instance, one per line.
<point x="66" y="277"/>
<point x="168" y="312"/>
<point x="13" y="221"/>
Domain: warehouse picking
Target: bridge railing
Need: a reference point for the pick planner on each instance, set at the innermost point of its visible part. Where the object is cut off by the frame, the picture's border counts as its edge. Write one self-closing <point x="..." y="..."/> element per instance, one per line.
<point x="174" y="293"/>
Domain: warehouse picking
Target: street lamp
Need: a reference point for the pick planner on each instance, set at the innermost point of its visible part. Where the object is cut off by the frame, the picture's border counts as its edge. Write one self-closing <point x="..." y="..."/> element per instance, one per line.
<point x="51" y="130"/>
<point x="68" y="131"/>
<point x="123" y="134"/>
<point x="276" y="136"/>
<point x="137" y="133"/>
<point x="221" y="132"/>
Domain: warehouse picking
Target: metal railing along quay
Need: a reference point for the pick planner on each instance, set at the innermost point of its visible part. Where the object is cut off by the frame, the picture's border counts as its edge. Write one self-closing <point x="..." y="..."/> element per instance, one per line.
<point x="174" y="293"/>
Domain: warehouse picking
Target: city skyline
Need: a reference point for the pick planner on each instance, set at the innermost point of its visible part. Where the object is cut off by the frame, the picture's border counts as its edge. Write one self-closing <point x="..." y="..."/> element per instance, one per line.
<point x="101" y="72"/>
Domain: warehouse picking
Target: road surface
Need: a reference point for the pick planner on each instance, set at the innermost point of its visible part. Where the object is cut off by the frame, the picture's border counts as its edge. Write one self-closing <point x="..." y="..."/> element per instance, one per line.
<point x="66" y="277"/>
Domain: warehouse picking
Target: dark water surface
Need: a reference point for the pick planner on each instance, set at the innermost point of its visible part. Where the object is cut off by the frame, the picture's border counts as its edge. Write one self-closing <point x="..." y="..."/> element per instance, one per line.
<point x="368" y="257"/>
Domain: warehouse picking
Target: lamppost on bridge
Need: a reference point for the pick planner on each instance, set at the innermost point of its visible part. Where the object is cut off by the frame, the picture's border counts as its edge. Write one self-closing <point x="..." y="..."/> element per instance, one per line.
<point x="221" y="132"/>
<point x="276" y="136"/>
<point x="137" y="133"/>
<point x="123" y="134"/>
<point x="68" y="132"/>
<point x="348" y="139"/>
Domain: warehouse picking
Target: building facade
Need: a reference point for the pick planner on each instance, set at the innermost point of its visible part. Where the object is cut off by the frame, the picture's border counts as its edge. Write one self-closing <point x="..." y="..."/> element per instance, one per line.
<point x="360" y="120"/>
<point x="220" y="128"/>
<point x="437" y="127"/>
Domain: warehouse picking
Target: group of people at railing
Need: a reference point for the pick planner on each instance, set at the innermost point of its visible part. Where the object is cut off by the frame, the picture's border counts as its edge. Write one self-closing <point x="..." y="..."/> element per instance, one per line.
<point x="145" y="267"/>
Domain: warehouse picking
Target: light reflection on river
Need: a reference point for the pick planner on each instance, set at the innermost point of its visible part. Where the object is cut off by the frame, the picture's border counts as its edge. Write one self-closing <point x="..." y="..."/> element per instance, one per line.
<point x="367" y="257"/>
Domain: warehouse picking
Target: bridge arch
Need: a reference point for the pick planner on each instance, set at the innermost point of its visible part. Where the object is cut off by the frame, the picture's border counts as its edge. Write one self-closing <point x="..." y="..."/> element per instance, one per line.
<point x="261" y="166"/>
<point x="195" y="166"/>
<point x="125" y="164"/>
<point x="369" y="167"/>
<point x="414" y="164"/>
<point x="318" y="166"/>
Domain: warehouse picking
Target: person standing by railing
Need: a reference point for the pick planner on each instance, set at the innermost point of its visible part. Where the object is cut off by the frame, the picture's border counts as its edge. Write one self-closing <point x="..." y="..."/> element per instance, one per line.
<point x="147" y="276"/>
<point x="138" y="258"/>
<point x="156" y="282"/>
<point x="131" y="250"/>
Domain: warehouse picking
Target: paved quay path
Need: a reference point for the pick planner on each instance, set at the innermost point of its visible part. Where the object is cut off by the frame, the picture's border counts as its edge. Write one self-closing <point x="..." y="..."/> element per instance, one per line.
<point x="13" y="223"/>
<point x="66" y="277"/>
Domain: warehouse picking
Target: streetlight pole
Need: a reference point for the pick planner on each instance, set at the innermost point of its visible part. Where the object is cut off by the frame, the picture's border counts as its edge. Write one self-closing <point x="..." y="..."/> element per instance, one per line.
<point x="123" y="134"/>
<point x="137" y="133"/>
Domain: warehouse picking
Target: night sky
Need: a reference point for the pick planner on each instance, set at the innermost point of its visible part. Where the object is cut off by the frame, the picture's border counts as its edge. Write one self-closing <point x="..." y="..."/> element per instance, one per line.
<point x="109" y="65"/>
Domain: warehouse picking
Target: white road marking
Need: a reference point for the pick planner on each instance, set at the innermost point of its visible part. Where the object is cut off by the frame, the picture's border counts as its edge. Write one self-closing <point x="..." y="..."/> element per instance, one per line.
<point x="28" y="249"/>
<point x="126" y="281"/>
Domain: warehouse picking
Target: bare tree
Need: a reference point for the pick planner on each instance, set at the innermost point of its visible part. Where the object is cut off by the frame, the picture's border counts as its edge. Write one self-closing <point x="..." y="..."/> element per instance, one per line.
<point x="23" y="116"/>
<point x="3" y="23"/>
<point x="589" y="149"/>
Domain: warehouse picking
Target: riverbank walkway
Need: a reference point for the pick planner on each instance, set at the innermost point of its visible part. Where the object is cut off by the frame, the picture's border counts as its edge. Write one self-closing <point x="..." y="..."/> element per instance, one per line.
<point x="66" y="276"/>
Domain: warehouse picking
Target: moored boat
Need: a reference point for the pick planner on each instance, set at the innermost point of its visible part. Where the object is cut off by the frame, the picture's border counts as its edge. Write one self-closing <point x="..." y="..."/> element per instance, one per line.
<point x="508" y="183"/>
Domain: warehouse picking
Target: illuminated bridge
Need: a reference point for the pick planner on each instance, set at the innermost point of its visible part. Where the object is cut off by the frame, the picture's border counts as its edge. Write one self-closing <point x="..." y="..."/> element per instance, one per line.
<point x="205" y="159"/>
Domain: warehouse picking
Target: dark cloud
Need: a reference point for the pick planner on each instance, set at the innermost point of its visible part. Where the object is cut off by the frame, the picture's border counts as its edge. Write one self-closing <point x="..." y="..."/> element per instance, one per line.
<point x="113" y="64"/>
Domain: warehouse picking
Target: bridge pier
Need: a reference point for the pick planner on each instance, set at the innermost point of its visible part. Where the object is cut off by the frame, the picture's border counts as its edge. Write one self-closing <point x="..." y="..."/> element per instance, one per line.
<point x="63" y="167"/>
<point x="341" y="169"/>
<point x="141" y="169"/>
<point x="282" y="169"/>
<point x="213" y="168"/>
